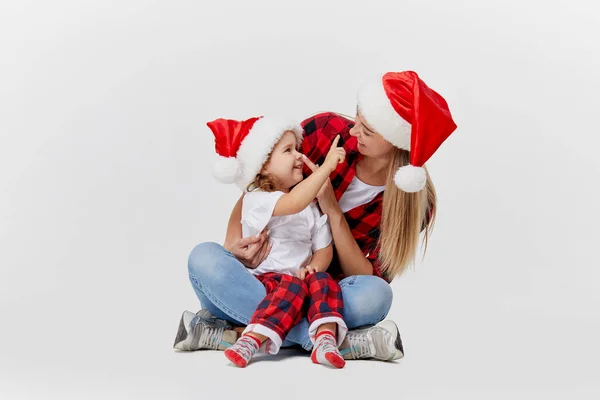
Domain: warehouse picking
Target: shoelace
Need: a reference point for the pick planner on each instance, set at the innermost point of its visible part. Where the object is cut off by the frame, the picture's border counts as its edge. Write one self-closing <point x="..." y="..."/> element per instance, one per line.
<point x="210" y="336"/>
<point x="359" y="346"/>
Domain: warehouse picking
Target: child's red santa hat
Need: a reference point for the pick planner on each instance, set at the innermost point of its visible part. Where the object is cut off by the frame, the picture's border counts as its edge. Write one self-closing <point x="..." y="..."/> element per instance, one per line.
<point x="410" y="115"/>
<point x="244" y="146"/>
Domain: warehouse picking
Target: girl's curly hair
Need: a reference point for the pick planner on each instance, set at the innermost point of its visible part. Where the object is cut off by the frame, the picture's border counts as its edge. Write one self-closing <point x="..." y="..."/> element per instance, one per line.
<point x="264" y="181"/>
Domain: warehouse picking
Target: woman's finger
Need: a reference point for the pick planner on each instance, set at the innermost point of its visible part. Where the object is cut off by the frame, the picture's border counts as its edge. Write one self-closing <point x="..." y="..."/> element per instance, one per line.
<point x="262" y="254"/>
<point x="250" y="240"/>
<point x="256" y="259"/>
<point x="255" y="248"/>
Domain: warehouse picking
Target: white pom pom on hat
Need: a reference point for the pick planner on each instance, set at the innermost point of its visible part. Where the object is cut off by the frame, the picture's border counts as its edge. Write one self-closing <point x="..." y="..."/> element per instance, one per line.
<point x="411" y="179"/>
<point x="227" y="169"/>
<point x="410" y="115"/>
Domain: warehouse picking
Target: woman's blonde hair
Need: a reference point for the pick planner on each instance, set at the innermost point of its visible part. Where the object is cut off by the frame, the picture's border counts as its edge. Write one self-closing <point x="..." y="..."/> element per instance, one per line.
<point x="405" y="216"/>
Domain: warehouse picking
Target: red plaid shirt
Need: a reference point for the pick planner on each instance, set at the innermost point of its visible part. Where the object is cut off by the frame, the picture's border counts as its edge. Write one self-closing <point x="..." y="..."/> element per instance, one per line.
<point x="364" y="220"/>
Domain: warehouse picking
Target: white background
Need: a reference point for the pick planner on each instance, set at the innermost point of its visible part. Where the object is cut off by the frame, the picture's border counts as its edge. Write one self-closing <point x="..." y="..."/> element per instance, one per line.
<point x="105" y="188"/>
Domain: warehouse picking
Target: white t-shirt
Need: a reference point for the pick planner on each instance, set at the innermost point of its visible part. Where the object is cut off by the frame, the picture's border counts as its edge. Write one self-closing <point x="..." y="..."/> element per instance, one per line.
<point x="357" y="194"/>
<point x="294" y="238"/>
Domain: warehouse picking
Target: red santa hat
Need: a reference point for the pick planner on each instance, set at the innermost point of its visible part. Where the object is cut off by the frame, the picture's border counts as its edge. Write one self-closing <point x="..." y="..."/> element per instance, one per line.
<point x="244" y="146"/>
<point x="410" y="115"/>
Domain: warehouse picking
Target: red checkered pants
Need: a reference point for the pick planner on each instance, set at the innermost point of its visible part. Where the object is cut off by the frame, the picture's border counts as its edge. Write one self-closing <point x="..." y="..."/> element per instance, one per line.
<point x="288" y="299"/>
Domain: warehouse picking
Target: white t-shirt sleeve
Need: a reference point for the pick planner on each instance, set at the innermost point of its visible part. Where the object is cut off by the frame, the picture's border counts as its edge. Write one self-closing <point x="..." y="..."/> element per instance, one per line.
<point x="321" y="232"/>
<point x="257" y="210"/>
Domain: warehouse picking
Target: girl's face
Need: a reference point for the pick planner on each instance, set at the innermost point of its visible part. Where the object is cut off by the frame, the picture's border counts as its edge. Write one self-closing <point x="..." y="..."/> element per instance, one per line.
<point x="370" y="143"/>
<point x="285" y="163"/>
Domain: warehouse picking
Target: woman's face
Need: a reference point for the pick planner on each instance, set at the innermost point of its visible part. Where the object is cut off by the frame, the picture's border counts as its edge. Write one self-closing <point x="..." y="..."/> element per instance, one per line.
<point x="370" y="143"/>
<point x="285" y="163"/>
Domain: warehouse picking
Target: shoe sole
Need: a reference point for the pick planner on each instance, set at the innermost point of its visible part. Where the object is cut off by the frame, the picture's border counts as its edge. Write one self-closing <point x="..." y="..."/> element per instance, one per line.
<point x="398" y="345"/>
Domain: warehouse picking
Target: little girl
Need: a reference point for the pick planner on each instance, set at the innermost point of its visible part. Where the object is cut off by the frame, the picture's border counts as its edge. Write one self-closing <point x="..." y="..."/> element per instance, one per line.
<point x="261" y="155"/>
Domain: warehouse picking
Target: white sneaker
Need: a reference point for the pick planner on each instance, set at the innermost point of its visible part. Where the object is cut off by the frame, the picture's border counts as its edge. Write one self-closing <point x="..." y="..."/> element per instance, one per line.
<point x="381" y="342"/>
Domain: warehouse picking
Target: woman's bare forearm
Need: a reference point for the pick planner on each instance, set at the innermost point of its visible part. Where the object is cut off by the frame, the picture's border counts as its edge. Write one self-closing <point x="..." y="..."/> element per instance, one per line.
<point x="351" y="258"/>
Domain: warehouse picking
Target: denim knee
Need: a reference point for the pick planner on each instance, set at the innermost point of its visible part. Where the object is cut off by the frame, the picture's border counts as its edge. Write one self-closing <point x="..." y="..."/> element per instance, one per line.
<point x="203" y="259"/>
<point x="367" y="299"/>
<point x="381" y="297"/>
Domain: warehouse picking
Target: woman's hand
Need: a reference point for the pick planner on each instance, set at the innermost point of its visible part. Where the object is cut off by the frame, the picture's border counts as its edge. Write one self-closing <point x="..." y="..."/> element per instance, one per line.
<point x="250" y="251"/>
<point x="326" y="195"/>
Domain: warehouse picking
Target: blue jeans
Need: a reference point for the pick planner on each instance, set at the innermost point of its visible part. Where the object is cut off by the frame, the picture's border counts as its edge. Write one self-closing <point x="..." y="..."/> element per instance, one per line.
<point x="226" y="289"/>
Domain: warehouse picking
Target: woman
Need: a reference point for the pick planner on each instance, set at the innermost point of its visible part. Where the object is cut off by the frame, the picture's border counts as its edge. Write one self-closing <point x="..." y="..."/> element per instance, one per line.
<point x="378" y="202"/>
